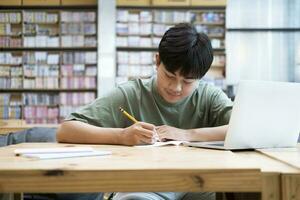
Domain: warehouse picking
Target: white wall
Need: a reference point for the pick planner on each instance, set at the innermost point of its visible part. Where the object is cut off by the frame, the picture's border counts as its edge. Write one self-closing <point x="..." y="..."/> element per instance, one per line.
<point x="106" y="46"/>
<point x="262" y="55"/>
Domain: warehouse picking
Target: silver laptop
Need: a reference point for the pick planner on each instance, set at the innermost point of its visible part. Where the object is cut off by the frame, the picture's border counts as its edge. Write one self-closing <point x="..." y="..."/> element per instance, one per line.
<point x="265" y="115"/>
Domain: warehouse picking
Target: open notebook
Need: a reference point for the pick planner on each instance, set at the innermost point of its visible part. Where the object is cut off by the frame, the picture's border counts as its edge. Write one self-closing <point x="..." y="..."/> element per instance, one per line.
<point x="59" y="152"/>
<point x="159" y="144"/>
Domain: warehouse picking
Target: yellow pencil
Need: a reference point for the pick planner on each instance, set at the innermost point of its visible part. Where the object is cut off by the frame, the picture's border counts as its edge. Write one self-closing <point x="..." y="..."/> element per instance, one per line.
<point x="135" y="121"/>
<point x="128" y="115"/>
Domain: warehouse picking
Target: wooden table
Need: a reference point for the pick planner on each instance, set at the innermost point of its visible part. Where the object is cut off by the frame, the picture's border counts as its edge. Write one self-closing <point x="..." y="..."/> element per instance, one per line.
<point x="131" y="169"/>
<point x="290" y="180"/>
<point x="13" y="125"/>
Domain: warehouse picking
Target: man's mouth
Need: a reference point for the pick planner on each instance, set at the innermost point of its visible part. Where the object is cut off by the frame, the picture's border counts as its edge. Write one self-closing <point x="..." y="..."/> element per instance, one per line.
<point x="175" y="94"/>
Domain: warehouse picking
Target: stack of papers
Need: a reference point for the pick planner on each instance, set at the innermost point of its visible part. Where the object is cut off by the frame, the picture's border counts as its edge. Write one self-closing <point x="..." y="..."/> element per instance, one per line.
<point x="59" y="152"/>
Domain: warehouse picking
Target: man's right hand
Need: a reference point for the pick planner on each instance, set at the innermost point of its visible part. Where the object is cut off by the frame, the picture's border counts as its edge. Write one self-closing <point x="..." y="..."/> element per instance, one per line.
<point x="138" y="133"/>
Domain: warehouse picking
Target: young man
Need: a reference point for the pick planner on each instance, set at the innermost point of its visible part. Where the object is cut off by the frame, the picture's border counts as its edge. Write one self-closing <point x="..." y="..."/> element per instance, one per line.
<point x="176" y="103"/>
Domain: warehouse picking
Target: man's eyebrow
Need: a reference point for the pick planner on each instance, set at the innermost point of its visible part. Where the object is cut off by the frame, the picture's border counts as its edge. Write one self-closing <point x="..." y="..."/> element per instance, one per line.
<point x="167" y="72"/>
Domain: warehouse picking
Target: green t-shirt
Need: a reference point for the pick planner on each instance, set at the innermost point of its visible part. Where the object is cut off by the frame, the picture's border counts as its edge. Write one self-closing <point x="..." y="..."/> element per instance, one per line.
<point x="207" y="106"/>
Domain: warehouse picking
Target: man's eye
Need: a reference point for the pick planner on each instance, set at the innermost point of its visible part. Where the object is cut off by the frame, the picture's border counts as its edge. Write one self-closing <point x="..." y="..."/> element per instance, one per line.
<point x="188" y="82"/>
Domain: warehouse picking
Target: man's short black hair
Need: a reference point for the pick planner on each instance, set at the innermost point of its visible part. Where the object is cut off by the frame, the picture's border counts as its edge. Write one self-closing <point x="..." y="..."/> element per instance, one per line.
<point x="182" y="48"/>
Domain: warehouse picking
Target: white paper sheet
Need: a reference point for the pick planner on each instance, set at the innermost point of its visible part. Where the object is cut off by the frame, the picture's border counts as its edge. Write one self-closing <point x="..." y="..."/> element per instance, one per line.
<point x="65" y="155"/>
<point x="52" y="150"/>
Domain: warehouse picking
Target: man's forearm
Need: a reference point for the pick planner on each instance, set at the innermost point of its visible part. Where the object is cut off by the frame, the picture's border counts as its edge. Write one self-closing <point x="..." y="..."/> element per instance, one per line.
<point x="79" y="132"/>
<point x="207" y="134"/>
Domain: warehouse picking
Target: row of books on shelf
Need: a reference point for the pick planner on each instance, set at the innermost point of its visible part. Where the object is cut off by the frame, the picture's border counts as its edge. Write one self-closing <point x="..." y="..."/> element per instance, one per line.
<point x="66" y="29"/>
<point x="48" y="70"/>
<point x="54" y="16"/>
<point x="41" y="83"/>
<point x="78" y="82"/>
<point x="10" y="71"/>
<point x="37" y="114"/>
<point x="139" y="41"/>
<point x="40" y="29"/>
<point x="67" y="57"/>
<point x="39" y="99"/>
<point x="48" y="83"/>
<point x="10" y="17"/>
<point x="78" y="41"/>
<point x="41" y="70"/>
<point x="164" y="16"/>
<point x="143" y="58"/>
<point x="6" y="41"/>
<point x="41" y="41"/>
<point x="67" y="16"/>
<point x="209" y="17"/>
<point x="66" y="41"/>
<point x="78" y="28"/>
<point x="211" y="31"/>
<point x="10" y="112"/>
<point x="40" y="17"/>
<point x="9" y="58"/>
<point x="135" y="70"/>
<point x="13" y="82"/>
<point x="79" y="70"/>
<point x="9" y="99"/>
<point x="46" y="99"/>
<point x="135" y="28"/>
<point x="46" y="115"/>
<point x="79" y="57"/>
<point x="40" y="112"/>
<point x="76" y="98"/>
<point x="43" y="57"/>
<point x="43" y="108"/>
<point x="47" y="17"/>
<point x="10" y="29"/>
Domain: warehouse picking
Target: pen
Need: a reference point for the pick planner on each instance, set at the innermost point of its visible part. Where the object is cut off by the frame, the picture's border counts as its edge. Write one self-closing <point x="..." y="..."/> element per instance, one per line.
<point x="135" y="121"/>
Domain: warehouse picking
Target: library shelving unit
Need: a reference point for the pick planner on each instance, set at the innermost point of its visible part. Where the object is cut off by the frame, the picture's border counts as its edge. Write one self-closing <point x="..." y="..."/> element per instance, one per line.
<point x="140" y="28"/>
<point x="48" y="61"/>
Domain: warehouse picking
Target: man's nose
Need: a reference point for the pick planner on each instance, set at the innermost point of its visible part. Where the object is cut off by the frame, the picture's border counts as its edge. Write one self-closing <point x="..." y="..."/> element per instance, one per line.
<point x="176" y="86"/>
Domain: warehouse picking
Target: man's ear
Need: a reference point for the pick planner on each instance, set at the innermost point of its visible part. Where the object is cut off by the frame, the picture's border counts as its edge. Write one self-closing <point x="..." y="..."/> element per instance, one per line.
<point x="157" y="60"/>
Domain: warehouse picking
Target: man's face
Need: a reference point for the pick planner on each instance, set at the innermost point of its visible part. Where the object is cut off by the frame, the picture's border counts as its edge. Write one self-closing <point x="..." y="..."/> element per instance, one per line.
<point x="173" y="87"/>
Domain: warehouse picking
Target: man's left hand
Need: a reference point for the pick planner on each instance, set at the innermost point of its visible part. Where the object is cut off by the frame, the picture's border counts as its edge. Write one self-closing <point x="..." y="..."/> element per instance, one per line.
<point x="166" y="132"/>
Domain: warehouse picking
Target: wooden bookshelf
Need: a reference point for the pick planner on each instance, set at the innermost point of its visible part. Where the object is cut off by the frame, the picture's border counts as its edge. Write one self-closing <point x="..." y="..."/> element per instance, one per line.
<point x="55" y="62"/>
<point x="140" y="28"/>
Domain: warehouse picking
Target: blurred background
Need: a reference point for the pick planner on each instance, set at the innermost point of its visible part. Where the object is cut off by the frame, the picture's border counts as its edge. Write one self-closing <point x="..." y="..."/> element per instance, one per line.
<point x="58" y="55"/>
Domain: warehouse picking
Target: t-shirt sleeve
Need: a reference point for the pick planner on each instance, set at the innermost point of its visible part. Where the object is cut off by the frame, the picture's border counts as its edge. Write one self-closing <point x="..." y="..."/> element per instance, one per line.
<point x="103" y="112"/>
<point x="220" y="108"/>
